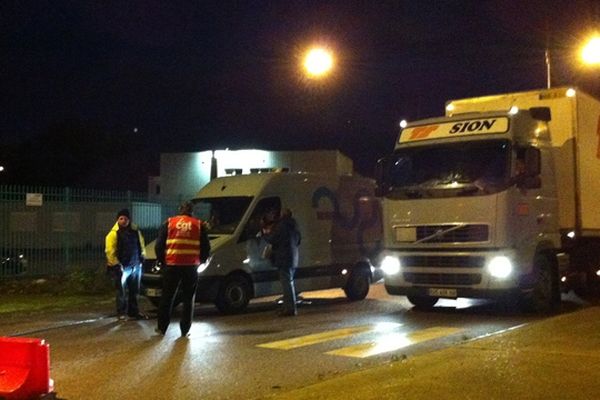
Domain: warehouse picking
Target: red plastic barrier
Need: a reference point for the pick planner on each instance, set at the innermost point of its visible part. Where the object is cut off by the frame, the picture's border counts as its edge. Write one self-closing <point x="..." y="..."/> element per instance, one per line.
<point x="24" y="368"/>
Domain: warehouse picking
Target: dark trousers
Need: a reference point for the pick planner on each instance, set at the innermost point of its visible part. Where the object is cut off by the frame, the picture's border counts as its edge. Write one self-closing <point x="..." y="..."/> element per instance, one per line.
<point x="127" y="283"/>
<point x="286" y="278"/>
<point x="184" y="277"/>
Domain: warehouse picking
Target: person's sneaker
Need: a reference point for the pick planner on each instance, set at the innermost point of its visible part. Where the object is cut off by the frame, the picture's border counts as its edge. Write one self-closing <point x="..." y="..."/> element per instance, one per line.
<point x="122" y="318"/>
<point x="159" y="332"/>
<point x="138" y="316"/>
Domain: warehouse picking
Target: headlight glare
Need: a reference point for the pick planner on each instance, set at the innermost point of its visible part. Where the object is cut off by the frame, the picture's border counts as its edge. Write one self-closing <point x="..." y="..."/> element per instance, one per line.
<point x="202" y="267"/>
<point x="390" y="265"/>
<point x="500" y="267"/>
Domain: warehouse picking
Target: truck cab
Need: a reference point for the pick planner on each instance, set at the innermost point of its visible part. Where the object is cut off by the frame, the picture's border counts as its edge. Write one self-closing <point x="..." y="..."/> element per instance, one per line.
<point x="470" y="210"/>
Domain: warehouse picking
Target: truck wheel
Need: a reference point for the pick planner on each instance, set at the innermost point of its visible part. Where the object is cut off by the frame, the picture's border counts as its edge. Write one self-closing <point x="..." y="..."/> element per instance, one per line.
<point x="234" y="295"/>
<point x="422" y="302"/>
<point x="545" y="296"/>
<point x="358" y="285"/>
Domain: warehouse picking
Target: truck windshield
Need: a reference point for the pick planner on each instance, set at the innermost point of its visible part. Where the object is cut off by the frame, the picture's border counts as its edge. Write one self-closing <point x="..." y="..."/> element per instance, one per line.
<point x="222" y="215"/>
<point x="457" y="169"/>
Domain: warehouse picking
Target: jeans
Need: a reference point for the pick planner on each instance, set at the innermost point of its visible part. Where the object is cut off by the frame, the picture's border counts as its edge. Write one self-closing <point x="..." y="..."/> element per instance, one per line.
<point x="286" y="278"/>
<point x="127" y="282"/>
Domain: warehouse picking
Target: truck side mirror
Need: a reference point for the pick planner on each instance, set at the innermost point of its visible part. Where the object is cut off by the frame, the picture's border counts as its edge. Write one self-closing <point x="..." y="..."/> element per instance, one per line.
<point x="532" y="161"/>
<point x="541" y="113"/>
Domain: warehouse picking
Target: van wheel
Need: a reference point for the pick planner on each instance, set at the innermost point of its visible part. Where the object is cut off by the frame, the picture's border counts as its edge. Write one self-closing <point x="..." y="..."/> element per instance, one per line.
<point x="545" y="296"/>
<point x="234" y="295"/>
<point x="358" y="284"/>
<point x="422" y="302"/>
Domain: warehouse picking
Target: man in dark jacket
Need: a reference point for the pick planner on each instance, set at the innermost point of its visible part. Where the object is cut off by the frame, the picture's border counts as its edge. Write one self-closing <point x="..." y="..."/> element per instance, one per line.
<point x="285" y="239"/>
<point x="125" y="252"/>
<point x="181" y="246"/>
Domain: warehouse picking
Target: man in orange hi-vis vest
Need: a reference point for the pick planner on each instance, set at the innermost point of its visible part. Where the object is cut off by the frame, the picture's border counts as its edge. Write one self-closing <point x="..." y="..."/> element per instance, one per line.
<point x="181" y="246"/>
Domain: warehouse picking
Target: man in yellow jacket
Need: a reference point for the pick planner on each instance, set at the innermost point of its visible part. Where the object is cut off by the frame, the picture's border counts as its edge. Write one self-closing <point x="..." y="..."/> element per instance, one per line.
<point x="125" y="253"/>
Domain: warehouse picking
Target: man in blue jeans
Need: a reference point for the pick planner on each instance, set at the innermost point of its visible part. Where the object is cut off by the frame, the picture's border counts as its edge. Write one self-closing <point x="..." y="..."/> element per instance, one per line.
<point x="125" y="252"/>
<point x="285" y="239"/>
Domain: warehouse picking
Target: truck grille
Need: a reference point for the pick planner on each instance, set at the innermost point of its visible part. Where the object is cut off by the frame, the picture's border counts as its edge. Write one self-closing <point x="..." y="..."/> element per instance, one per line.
<point x="443" y="261"/>
<point x="442" y="279"/>
<point x="445" y="233"/>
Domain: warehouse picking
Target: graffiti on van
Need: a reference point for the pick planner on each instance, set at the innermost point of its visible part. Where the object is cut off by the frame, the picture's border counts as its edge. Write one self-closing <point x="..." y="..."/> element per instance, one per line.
<point x="364" y="216"/>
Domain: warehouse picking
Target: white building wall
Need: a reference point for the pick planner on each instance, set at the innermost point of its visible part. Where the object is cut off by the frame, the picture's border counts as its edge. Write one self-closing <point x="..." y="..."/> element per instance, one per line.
<point x="183" y="174"/>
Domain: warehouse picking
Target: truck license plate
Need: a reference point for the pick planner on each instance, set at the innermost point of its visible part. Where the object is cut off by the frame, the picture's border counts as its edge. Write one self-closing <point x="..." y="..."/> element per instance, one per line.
<point x="442" y="292"/>
<point x="150" y="292"/>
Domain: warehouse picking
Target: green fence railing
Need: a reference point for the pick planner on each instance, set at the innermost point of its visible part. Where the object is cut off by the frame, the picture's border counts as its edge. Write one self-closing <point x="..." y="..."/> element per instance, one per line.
<point x="47" y="231"/>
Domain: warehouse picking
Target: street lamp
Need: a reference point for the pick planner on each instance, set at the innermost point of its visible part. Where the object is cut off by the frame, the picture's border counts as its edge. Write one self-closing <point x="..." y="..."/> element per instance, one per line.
<point x="590" y="52"/>
<point x="589" y="55"/>
<point x="318" y="62"/>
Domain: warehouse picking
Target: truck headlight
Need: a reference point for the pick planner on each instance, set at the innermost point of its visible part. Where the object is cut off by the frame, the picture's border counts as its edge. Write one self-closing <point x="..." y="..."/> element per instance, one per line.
<point x="390" y="265"/>
<point x="500" y="267"/>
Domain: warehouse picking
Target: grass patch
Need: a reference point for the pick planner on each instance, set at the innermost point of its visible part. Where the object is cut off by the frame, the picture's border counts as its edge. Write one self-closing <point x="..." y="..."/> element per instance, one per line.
<point x="19" y="303"/>
<point x="77" y="289"/>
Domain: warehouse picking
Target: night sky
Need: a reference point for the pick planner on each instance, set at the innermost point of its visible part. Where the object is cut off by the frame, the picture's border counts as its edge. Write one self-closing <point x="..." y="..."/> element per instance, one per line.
<point x="94" y="91"/>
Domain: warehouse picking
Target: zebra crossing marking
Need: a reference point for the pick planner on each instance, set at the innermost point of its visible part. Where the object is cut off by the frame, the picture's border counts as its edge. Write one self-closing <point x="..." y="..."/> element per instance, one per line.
<point x="307" y="340"/>
<point x="389" y="339"/>
<point x="393" y="341"/>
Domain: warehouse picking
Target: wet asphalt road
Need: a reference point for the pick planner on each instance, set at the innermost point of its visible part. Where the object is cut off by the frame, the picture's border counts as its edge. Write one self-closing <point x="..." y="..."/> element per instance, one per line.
<point x="256" y="354"/>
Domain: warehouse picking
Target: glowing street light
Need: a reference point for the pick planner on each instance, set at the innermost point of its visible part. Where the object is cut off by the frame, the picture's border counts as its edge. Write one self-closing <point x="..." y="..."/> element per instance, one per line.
<point x="590" y="53"/>
<point x="318" y="62"/>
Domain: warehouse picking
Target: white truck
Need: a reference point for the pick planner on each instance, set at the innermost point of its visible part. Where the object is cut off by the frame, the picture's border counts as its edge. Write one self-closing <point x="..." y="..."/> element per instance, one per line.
<point x="498" y="199"/>
<point x="340" y="223"/>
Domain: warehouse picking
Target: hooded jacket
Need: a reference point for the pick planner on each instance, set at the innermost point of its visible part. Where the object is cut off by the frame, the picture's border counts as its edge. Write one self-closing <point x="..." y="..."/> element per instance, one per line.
<point x="112" y="245"/>
<point x="285" y="240"/>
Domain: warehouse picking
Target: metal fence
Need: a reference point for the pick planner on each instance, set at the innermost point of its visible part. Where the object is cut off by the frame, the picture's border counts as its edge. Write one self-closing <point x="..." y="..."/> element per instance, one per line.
<point x="48" y="231"/>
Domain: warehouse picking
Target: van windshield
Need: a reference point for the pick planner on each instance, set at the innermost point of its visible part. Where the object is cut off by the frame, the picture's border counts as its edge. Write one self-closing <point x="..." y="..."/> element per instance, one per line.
<point x="222" y="215"/>
<point x="456" y="169"/>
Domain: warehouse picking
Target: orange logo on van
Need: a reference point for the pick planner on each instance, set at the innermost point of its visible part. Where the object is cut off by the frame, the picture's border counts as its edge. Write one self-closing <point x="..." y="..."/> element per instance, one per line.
<point x="421" y="132"/>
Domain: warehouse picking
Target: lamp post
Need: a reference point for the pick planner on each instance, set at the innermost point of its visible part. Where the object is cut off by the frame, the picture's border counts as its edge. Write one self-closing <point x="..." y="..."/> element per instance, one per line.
<point x="589" y="55"/>
<point x="548" y="69"/>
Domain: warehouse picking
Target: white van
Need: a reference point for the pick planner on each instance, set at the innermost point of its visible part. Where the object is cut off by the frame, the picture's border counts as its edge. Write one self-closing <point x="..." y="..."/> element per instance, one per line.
<point x="340" y="223"/>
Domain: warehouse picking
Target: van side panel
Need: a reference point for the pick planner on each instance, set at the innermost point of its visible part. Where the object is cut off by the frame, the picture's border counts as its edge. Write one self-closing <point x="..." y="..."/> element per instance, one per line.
<point x="357" y="229"/>
<point x="315" y="265"/>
